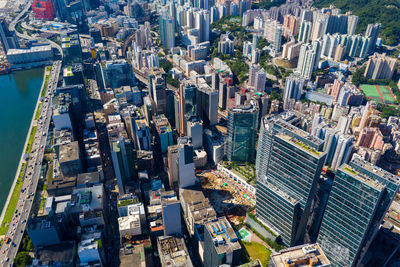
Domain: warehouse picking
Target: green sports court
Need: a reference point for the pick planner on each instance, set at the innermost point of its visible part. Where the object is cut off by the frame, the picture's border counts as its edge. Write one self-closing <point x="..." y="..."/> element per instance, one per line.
<point x="380" y="93"/>
<point x="244" y="235"/>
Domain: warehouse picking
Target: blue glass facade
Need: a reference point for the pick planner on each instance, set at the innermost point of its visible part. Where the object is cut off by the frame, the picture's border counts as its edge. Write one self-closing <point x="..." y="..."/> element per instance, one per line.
<point x="289" y="163"/>
<point x="360" y="196"/>
<point x="242" y="134"/>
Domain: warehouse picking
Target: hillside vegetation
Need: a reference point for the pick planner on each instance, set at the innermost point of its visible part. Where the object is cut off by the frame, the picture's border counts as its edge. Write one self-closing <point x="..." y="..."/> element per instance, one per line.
<point x="386" y="12"/>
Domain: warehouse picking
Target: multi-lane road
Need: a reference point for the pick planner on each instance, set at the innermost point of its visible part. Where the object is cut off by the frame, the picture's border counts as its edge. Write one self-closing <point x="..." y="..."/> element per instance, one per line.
<point x="32" y="174"/>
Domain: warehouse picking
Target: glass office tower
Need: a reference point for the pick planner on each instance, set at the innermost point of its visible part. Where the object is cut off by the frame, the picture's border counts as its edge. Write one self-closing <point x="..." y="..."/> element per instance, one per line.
<point x="360" y="196"/>
<point x="288" y="166"/>
<point x="242" y="132"/>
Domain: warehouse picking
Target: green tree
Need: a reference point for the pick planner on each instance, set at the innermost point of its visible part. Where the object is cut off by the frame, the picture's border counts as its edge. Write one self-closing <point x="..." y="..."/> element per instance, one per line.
<point x="22" y="259"/>
<point x="166" y="65"/>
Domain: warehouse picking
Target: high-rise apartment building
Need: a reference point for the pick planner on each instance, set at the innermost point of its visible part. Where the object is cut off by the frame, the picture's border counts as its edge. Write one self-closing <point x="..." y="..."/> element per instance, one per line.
<point x="319" y="28"/>
<point x="242" y="132"/>
<point x="167" y="31"/>
<point x="202" y="24"/>
<point x="291" y="24"/>
<point x="293" y="88"/>
<point x="372" y="32"/>
<point x="308" y="59"/>
<point x="257" y="78"/>
<point x="305" y="31"/>
<point x="288" y="165"/>
<point x="225" y="45"/>
<point x="360" y="196"/>
<point x="380" y="66"/>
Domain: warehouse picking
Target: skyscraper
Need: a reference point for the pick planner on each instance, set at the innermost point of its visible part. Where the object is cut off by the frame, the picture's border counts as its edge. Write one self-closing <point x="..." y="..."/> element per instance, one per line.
<point x="288" y="165"/>
<point x="242" y="132"/>
<point x="360" y="196"/>
<point x="167" y="31"/>
<point x="278" y="39"/>
<point x="187" y="105"/>
<point x="207" y="104"/>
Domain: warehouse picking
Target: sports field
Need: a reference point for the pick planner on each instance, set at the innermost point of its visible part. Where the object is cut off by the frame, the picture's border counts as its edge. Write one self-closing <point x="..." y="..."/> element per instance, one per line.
<point x="380" y="93"/>
<point x="244" y="235"/>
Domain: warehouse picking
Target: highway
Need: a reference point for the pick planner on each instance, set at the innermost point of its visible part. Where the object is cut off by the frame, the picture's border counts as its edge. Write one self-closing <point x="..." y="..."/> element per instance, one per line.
<point x="32" y="174"/>
<point x="28" y="37"/>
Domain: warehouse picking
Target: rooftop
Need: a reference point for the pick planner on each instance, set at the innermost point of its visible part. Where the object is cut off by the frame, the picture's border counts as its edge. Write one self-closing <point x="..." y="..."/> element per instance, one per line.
<point x="88" y="178"/>
<point x="173" y="252"/>
<point x="362" y="177"/>
<point x="131" y="254"/>
<point x="303" y="255"/>
<point x="288" y="128"/>
<point x="198" y="205"/>
<point x="162" y="124"/>
<point x="376" y="170"/>
<point x="69" y="152"/>
<point x="299" y="144"/>
<point x="61" y="103"/>
<point x="224" y="236"/>
<point x="129" y="222"/>
<point x="62" y="253"/>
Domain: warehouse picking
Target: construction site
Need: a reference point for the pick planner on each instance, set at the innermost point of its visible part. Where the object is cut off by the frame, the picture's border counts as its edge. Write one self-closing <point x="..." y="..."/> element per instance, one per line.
<point x="225" y="196"/>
